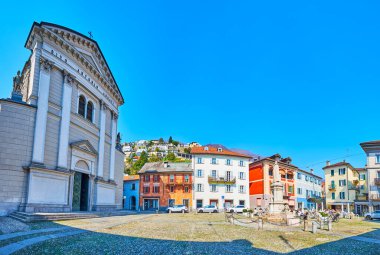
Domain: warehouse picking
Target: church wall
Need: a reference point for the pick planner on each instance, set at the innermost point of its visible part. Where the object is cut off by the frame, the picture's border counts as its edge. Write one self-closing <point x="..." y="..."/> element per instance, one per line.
<point x="106" y="169"/>
<point x="119" y="173"/>
<point x="56" y="84"/>
<point x="34" y="75"/>
<point x="51" y="141"/>
<point x="16" y="136"/>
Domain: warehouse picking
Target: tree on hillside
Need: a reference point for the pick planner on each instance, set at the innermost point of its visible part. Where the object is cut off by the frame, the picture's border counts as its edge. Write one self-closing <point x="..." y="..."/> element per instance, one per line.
<point x="161" y="140"/>
<point x="139" y="163"/>
<point x="187" y="150"/>
<point x="170" y="157"/>
<point x="154" y="158"/>
<point x="175" y="143"/>
<point x="170" y="140"/>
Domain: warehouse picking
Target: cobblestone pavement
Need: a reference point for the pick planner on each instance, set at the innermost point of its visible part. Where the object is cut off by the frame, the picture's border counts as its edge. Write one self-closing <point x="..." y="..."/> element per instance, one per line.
<point x="184" y="234"/>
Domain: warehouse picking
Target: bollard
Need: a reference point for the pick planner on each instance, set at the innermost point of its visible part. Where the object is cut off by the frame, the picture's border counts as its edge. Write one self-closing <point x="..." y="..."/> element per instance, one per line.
<point x="170" y="211"/>
<point x="260" y="224"/>
<point x="305" y="225"/>
<point x="314" y="227"/>
<point x="329" y="226"/>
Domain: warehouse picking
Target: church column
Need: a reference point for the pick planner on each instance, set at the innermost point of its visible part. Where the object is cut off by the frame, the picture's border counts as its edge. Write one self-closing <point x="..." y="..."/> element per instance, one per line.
<point x="102" y="131"/>
<point x="113" y="145"/>
<point x="65" y="120"/>
<point x="42" y="111"/>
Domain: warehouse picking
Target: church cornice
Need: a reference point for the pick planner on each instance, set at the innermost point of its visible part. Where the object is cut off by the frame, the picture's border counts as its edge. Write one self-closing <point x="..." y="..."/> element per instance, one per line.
<point x="62" y="37"/>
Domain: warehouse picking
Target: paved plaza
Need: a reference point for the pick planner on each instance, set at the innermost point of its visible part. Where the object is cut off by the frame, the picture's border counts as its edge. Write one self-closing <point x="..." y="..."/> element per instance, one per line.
<point x="184" y="234"/>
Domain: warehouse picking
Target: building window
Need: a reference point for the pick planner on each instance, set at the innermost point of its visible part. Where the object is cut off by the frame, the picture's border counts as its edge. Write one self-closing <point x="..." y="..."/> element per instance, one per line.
<point x="146" y="189"/>
<point x="146" y="178"/>
<point x="228" y="188"/>
<point x="228" y="162"/>
<point x="341" y="195"/>
<point x="156" y="189"/>
<point x="228" y="175"/>
<point x="378" y="159"/>
<point x="362" y="177"/>
<point x="90" y="111"/>
<point x="213" y="161"/>
<point x="133" y="186"/>
<point x="270" y="172"/>
<point x="186" y="178"/>
<point x="82" y="106"/>
<point x="199" y="203"/>
<point x="333" y="195"/>
<point x="155" y="178"/>
<point x="241" y="175"/>
<point x="291" y="189"/>
<point x="342" y="183"/>
<point x="242" y="202"/>
<point x="342" y="171"/>
<point x="213" y="173"/>
<point x="213" y="188"/>
<point x="241" y="189"/>
<point x="241" y="163"/>
<point x="171" y="178"/>
<point x="171" y="188"/>
<point x="299" y="191"/>
<point x="200" y="173"/>
<point x="200" y="187"/>
<point x="186" y="189"/>
<point x="332" y="172"/>
<point x="306" y="178"/>
<point x="199" y="160"/>
<point x="299" y="176"/>
<point x="362" y="187"/>
<point x="171" y="202"/>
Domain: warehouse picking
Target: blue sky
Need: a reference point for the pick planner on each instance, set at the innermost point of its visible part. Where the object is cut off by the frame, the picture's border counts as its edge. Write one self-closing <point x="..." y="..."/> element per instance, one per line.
<point x="300" y="78"/>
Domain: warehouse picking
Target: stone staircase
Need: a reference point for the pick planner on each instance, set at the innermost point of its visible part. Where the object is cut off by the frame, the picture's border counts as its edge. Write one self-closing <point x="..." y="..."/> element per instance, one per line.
<point x="33" y="217"/>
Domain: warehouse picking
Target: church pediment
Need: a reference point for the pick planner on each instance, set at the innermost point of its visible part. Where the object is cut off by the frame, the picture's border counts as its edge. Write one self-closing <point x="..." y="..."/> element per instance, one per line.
<point x="84" y="146"/>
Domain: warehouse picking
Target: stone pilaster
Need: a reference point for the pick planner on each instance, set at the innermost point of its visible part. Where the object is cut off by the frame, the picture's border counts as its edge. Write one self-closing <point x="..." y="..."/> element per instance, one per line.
<point x="65" y="120"/>
<point x="113" y="146"/>
<point x="42" y="111"/>
<point x="102" y="130"/>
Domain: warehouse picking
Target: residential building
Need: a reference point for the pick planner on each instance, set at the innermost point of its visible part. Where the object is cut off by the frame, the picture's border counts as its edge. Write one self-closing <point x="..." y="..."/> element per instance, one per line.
<point x="361" y="200"/>
<point x="309" y="190"/>
<point x="220" y="177"/>
<point x="261" y="179"/>
<point x="372" y="150"/>
<point x="59" y="145"/>
<point x="341" y="186"/>
<point x="131" y="192"/>
<point x="164" y="184"/>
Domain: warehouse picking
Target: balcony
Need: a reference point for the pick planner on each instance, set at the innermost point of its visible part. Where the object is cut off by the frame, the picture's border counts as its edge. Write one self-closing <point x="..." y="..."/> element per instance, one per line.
<point x="221" y="180"/>
<point x="353" y="186"/>
<point x="375" y="197"/>
<point x="332" y="187"/>
<point x="361" y="198"/>
<point x="377" y="181"/>
<point x="178" y="181"/>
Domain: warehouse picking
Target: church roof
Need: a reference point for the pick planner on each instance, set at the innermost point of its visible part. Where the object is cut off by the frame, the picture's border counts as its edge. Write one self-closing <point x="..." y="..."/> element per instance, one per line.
<point x="68" y="34"/>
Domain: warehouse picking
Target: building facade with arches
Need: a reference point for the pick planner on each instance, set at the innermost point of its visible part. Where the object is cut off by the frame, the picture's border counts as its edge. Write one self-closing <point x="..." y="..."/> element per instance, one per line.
<point x="59" y="149"/>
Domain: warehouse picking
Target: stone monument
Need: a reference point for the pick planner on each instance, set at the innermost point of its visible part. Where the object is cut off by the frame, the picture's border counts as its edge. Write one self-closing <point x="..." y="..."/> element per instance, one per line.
<point x="17" y="88"/>
<point x="277" y="205"/>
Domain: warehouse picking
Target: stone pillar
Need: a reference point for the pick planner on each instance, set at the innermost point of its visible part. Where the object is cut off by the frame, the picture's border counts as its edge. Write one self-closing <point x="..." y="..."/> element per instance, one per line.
<point x="42" y="112"/>
<point x="102" y="130"/>
<point x="113" y="145"/>
<point x="65" y="120"/>
<point x="314" y="227"/>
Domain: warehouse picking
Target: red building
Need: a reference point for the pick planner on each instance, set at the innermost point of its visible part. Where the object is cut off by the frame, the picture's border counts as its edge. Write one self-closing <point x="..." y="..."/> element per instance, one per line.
<point x="261" y="178"/>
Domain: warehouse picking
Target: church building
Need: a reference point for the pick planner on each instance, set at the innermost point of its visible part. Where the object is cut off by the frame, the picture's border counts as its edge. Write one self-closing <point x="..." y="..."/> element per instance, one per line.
<point x="59" y="146"/>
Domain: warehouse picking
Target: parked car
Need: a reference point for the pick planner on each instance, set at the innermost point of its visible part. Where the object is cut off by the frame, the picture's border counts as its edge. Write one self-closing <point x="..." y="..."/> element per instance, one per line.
<point x="237" y="209"/>
<point x="208" y="208"/>
<point x="372" y="215"/>
<point x="177" y="208"/>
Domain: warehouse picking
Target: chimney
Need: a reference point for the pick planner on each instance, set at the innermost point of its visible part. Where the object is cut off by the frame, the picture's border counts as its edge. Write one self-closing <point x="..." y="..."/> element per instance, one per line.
<point x="327" y="162"/>
<point x="311" y="170"/>
<point x="166" y="164"/>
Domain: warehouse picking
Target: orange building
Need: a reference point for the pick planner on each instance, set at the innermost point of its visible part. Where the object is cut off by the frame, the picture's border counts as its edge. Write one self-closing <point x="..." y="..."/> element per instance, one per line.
<point x="164" y="184"/>
<point x="261" y="178"/>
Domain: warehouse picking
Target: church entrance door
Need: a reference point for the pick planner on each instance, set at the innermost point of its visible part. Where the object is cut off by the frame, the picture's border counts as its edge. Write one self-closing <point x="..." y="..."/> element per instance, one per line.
<point x="80" y="192"/>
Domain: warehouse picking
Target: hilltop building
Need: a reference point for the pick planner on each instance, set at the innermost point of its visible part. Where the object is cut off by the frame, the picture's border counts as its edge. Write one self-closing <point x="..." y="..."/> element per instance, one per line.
<point x="59" y="146"/>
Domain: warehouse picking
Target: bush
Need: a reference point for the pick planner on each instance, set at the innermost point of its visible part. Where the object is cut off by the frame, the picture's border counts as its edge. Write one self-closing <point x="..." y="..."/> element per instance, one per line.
<point x="250" y="211"/>
<point x="245" y="210"/>
<point x="323" y="214"/>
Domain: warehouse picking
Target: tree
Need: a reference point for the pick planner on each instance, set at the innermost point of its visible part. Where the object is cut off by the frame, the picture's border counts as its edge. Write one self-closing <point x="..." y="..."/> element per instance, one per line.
<point x="171" y="157"/>
<point x="139" y="163"/>
<point x="170" y="140"/>
<point x="187" y="150"/>
<point x="154" y="158"/>
<point x="161" y="140"/>
<point x="175" y="143"/>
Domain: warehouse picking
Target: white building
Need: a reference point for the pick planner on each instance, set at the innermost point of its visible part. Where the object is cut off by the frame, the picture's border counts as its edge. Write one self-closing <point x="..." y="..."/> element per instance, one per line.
<point x="220" y="177"/>
<point x="309" y="190"/>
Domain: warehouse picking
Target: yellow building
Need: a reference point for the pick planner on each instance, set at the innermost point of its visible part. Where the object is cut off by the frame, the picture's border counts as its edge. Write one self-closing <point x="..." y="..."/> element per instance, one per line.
<point x="361" y="201"/>
<point x="342" y="186"/>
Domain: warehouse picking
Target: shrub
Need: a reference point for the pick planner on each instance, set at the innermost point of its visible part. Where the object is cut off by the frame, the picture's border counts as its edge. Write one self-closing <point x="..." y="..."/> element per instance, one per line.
<point x="323" y="214"/>
<point x="250" y="211"/>
<point x="245" y="210"/>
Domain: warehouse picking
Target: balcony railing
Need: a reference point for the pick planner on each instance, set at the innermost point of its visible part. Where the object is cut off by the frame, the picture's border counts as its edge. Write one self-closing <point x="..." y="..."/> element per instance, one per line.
<point x="377" y="181"/>
<point x="375" y="197"/>
<point x="332" y="187"/>
<point x="221" y="180"/>
<point x="361" y="198"/>
<point x="353" y="186"/>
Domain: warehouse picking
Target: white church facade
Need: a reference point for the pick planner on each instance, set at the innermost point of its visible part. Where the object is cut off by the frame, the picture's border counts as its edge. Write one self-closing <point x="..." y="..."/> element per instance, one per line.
<point x="59" y="148"/>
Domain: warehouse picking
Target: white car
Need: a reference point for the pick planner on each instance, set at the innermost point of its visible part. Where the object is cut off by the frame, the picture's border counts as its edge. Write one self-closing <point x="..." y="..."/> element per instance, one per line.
<point x="208" y="208"/>
<point x="177" y="208"/>
<point x="237" y="209"/>
<point x="372" y="215"/>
